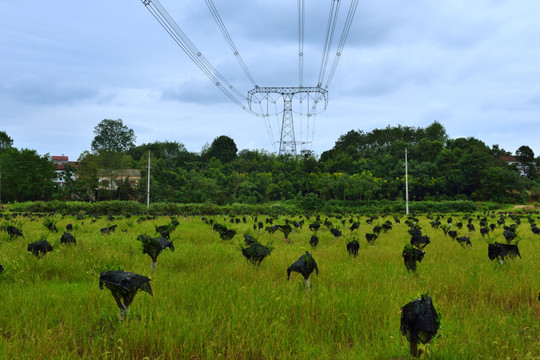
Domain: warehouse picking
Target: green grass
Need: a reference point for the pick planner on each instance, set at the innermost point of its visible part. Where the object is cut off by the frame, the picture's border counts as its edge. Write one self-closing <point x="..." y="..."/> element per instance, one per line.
<point x="210" y="303"/>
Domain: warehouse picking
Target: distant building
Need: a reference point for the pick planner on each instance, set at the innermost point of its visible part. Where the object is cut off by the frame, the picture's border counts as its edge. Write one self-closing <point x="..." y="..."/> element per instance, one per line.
<point x="110" y="179"/>
<point x="61" y="162"/>
<point x="512" y="161"/>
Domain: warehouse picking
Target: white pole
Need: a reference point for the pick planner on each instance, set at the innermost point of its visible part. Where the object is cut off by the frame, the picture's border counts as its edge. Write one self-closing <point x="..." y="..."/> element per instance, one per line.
<point x="148" y="184"/>
<point x="406" y="185"/>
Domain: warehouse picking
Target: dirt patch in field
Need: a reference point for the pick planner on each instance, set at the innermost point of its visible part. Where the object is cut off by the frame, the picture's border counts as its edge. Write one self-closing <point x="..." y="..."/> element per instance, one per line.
<point x="527" y="207"/>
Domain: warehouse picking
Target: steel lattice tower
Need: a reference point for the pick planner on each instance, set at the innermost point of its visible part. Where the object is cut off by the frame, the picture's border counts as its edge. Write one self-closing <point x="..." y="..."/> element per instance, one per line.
<point x="287" y="140"/>
<point x="311" y="95"/>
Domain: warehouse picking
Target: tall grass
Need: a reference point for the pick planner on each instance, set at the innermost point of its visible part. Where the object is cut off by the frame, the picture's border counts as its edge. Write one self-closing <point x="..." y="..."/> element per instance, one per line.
<point x="210" y="303"/>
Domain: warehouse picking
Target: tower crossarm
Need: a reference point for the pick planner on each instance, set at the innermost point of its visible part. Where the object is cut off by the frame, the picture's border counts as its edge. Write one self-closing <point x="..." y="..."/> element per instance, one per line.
<point x="287" y="90"/>
<point x="318" y="93"/>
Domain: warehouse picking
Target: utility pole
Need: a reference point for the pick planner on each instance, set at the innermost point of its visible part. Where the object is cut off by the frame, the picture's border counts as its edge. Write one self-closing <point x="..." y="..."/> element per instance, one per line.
<point x="406" y="185"/>
<point x="148" y="184"/>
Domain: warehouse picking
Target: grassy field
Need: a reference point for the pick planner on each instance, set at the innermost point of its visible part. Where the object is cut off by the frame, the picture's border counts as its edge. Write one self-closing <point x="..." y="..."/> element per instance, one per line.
<point x="210" y="303"/>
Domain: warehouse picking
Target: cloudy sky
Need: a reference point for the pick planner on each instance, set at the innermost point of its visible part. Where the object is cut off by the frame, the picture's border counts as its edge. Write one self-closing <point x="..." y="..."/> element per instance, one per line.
<point x="67" y="65"/>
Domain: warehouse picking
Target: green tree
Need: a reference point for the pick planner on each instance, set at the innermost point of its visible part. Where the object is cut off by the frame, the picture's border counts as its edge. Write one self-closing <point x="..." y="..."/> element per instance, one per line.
<point x="200" y="189"/>
<point x="173" y="153"/>
<point x="263" y="180"/>
<point x="86" y="183"/>
<point x="436" y="132"/>
<point x="26" y="176"/>
<point x="222" y="148"/>
<point x="324" y="185"/>
<point x="109" y="163"/>
<point x="502" y="184"/>
<point x="125" y="191"/>
<point x="525" y="156"/>
<point x="5" y="141"/>
<point x="112" y="136"/>
<point x="248" y="193"/>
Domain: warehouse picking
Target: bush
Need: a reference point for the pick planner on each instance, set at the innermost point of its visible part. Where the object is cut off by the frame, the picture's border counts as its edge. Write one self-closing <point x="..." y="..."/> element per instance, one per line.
<point x="308" y="204"/>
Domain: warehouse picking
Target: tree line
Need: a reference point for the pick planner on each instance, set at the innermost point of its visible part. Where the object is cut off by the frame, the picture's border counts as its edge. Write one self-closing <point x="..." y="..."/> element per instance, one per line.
<point x="362" y="166"/>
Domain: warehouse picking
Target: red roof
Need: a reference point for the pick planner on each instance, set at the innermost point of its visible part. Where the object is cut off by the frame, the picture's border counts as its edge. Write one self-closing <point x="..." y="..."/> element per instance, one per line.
<point x="63" y="166"/>
<point x="509" y="158"/>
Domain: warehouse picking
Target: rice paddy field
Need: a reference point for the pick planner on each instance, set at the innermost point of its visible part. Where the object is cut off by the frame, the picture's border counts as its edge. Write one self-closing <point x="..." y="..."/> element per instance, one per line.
<point x="209" y="302"/>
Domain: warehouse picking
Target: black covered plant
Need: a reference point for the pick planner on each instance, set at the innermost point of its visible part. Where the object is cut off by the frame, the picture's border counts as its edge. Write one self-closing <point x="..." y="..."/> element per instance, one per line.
<point x="502" y="251"/>
<point x="355" y="225"/>
<point x="166" y="230"/>
<point x="286" y="230"/>
<point x="335" y="232"/>
<point x="67" y="238"/>
<point x="154" y="246"/>
<point x="50" y="224"/>
<point x="464" y="241"/>
<point x="124" y="286"/>
<point x="305" y="266"/>
<point x="12" y="231"/>
<point x="314" y="241"/>
<point x="411" y="256"/>
<point x="420" y="322"/>
<point x="254" y="251"/>
<point x="40" y="247"/>
<point x="420" y="241"/>
<point x="249" y="240"/>
<point x="353" y="246"/>
<point x="224" y="233"/>
<point x="371" y="237"/>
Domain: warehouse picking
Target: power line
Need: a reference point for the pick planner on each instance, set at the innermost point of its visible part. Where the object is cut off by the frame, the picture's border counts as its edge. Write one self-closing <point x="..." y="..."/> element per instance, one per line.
<point x="330" y="27"/>
<point x="228" y="38"/>
<point x="343" y="39"/>
<point x="259" y="95"/>
<point x="165" y="20"/>
<point x="301" y="20"/>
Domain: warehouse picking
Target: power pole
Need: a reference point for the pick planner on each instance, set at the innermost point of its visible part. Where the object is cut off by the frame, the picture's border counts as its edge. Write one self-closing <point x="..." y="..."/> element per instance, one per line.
<point x="148" y="184"/>
<point x="406" y="185"/>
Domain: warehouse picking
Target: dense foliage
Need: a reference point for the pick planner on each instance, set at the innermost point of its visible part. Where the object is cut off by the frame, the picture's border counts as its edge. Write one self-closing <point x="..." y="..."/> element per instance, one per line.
<point x="362" y="167"/>
<point x="25" y="175"/>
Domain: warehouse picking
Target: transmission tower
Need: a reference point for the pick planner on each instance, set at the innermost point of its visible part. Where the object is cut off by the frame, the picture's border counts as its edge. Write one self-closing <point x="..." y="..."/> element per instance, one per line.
<point x="264" y="96"/>
<point x="287" y="140"/>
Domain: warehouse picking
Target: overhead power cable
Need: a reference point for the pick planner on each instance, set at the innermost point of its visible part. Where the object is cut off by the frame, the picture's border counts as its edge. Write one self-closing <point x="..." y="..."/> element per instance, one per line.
<point x="264" y="97"/>
<point x="165" y="20"/>
<point x="301" y="20"/>
<point x="221" y="25"/>
<point x="330" y="28"/>
<point x="343" y="39"/>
